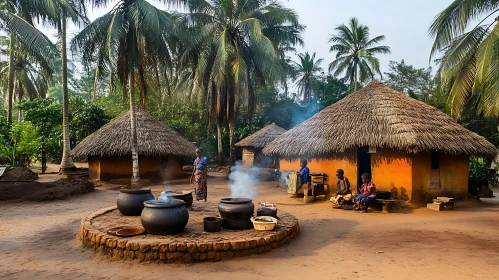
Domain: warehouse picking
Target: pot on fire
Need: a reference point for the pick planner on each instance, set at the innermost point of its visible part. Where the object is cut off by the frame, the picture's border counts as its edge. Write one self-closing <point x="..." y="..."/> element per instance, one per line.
<point x="236" y="213"/>
<point x="131" y="202"/>
<point x="164" y="217"/>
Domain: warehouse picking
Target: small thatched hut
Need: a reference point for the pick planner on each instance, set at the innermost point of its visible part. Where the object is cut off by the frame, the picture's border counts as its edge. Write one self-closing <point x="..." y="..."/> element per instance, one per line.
<point x="160" y="149"/>
<point x="409" y="147"/>
<point x="253" y="145"/>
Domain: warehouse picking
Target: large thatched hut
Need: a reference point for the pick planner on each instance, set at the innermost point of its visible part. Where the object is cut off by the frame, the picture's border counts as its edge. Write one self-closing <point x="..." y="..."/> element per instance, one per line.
<point x="253" y="145"/>
<point x="160" y="149"/>
<point x="411" y="149"/>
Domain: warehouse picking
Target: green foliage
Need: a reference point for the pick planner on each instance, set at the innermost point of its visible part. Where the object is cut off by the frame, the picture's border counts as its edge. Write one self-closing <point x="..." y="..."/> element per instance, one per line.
<point x="26" y="142"/>
<point x="417" y="83"/>
<point x="306" y="72"/>
<point x="477" y="169"/>
<point x="329" y="90"/>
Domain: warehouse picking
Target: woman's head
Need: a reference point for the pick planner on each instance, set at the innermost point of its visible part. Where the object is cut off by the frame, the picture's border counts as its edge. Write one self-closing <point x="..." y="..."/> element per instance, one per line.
<point x="340" y="173"/>
<point x="366" y="178"/>
<point x="303" y="162"/>
<point x="199" y="151"/>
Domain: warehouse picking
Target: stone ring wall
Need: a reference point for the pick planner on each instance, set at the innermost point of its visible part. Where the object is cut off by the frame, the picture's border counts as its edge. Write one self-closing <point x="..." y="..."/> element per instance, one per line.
<point x="151" y="249"/>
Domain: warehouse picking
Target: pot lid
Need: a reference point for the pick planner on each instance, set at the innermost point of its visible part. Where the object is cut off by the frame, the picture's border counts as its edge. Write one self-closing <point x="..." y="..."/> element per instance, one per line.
<point x="164" y="203"/>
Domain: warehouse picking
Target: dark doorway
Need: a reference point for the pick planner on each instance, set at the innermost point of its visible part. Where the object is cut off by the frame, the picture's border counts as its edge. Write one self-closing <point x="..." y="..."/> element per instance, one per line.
<point x="363" y="163"/>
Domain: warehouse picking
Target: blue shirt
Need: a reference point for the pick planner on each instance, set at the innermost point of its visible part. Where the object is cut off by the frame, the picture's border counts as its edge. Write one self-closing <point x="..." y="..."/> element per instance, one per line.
<point x="304" y="172"/>
<point x="200" y="164"/>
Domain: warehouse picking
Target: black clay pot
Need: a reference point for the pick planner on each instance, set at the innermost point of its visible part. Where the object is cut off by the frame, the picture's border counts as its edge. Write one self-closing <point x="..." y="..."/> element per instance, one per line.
<point x="131" y="202"/>
<point x="212" y="224"/>
<point x="267" y="211"/>
<point x="164" y="217"/>
<point x="236" y="213"/>
<point x="186" y="196"/>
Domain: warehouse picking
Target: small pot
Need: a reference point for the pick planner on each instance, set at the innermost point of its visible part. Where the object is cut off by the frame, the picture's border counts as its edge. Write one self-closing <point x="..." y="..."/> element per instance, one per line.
<point x="236" y="213"/>
<point x="212" y="224"/>
<point x="164" y="217"/>
<point x="131" y="202"/>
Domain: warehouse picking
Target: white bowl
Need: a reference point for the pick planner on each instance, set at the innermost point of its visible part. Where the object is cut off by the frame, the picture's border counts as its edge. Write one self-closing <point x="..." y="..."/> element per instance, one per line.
<point x="264" y="222"/>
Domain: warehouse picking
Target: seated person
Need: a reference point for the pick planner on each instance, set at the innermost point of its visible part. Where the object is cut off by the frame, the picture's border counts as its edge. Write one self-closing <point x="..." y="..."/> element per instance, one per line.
<point x="343" y="193"/>
<point x="304" y="173"/>
<point x="367" y="193"/>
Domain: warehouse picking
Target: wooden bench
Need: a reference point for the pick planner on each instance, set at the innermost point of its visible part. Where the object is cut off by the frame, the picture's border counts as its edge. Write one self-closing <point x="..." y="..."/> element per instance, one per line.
<point x="385" y="203"/>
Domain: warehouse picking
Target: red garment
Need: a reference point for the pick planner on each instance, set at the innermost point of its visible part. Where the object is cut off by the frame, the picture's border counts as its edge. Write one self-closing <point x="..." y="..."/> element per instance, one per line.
<point x="366" y="189"/>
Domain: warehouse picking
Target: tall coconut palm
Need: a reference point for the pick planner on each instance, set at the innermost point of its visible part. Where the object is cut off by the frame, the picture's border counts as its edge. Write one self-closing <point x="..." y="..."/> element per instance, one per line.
<point x="355" y="53"/>
<point x="17" y="17"/>
<point x="127" y="42"/>
<point x="469" y="66"/>
<point x="237" y="42"/>
<point x="306" y="70"/>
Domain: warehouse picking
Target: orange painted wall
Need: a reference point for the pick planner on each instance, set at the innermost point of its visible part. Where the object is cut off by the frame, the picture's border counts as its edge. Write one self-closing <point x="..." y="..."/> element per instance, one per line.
<point x="392" y="171"/>
<point x="109" y="168"/>
<point x="346" y="161"/>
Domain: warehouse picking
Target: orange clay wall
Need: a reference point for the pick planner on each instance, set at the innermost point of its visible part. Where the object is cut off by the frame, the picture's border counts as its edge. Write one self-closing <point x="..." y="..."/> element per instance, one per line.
<point x="346" y="161"/>
<point x="392" y="171"/>
<point x="109" y="168"/>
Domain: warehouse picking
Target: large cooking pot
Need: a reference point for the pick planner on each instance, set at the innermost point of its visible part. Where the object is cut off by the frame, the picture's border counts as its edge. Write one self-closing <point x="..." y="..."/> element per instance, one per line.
<point x="131" y="202"/>
<point x="164" y="217"/>
<point x="236" y="213"/>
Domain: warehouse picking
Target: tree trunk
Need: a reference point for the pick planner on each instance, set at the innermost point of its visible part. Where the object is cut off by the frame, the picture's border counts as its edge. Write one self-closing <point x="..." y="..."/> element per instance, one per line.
<point x="135" y="184"/>
<point x="67" y="164"/>
<point x="232" y="130"/>
<point x="11" y="78"/>
<point x="221" y="157"/>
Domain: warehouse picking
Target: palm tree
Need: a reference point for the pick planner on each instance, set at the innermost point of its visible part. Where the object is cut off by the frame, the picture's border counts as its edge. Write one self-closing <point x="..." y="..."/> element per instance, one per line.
<point x="17" y="17"/>
<point x="468" y="70"/>
<point x="306" y="71"/>
<point x="355" y="53"/>
<point x="127" y="42"/>
<point x="236" y="41"/>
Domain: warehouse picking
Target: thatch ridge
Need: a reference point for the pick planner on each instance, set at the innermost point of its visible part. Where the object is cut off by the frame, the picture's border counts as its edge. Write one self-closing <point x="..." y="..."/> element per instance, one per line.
<point x="382" y="117"/>
<point x="153" y="137"/>
<point x="262" y="137"/>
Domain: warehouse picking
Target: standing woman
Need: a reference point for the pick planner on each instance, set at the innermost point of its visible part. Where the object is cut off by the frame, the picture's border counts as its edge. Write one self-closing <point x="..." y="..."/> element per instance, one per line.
<point x="199" y="175"/>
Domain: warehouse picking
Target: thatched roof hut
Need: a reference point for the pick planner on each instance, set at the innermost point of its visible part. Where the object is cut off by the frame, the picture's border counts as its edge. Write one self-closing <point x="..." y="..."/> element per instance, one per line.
<point x="262" y="137"/>
<point x="410" y="148"/>
<point x="160" y="149"/>
<point x="253" y="145"/>
<point x="153" y="138"/>
<point x="381" y="117"/>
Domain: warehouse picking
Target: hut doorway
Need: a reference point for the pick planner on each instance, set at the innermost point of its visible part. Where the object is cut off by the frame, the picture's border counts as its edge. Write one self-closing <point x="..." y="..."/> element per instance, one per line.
<point x="363" y="163"/>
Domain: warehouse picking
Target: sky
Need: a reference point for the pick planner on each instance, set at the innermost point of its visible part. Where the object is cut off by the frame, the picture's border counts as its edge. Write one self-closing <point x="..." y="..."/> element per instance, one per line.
<point x="404" y="23"/>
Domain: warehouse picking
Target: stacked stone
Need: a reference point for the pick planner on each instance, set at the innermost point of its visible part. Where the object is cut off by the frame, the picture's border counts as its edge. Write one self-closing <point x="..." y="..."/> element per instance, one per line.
<point x="185" y="252"/>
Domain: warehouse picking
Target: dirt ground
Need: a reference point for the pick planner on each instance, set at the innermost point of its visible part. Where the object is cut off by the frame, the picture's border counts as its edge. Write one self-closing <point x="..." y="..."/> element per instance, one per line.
<point x="37" y="241"/>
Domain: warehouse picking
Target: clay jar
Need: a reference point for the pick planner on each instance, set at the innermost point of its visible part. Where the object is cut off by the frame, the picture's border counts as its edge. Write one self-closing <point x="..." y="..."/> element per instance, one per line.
<point x="164" y="217"/>
<point x="236" y="213"/>
<point x="131" y="202"/>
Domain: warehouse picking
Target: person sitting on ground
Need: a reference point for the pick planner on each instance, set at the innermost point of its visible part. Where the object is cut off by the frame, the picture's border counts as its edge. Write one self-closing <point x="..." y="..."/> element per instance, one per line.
<point x="366" y="195"/>
<point x="304" y="173"/>
<point x="343" y="193"/>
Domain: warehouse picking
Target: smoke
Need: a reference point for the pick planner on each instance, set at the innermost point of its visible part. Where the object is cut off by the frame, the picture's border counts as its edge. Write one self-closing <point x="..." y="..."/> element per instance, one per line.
<point x="284" y="179"/>
<point x="243" y="181"/>
<point x="164" y="196"/>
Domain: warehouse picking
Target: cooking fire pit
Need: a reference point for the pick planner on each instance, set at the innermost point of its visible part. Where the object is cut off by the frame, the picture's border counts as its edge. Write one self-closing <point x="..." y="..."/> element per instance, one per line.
<point x="236" y="213"/>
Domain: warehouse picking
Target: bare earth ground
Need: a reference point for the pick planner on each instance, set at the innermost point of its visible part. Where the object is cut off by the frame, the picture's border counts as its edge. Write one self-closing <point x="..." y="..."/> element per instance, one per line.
<point x="37" y="241"/>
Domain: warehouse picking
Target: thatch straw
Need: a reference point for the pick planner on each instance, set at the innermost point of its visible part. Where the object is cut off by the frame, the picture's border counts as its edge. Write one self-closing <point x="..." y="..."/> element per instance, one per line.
<point x="262" y="137"/>
<point x="381" y="117"/>
<point x="153" y="137"/>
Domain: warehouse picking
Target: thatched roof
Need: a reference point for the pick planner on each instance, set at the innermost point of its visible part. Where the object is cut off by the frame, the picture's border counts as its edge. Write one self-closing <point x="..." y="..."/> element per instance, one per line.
<point x="382" y="117"/>
<point x="153" y="137"/>
<point x="262" y="137"/>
